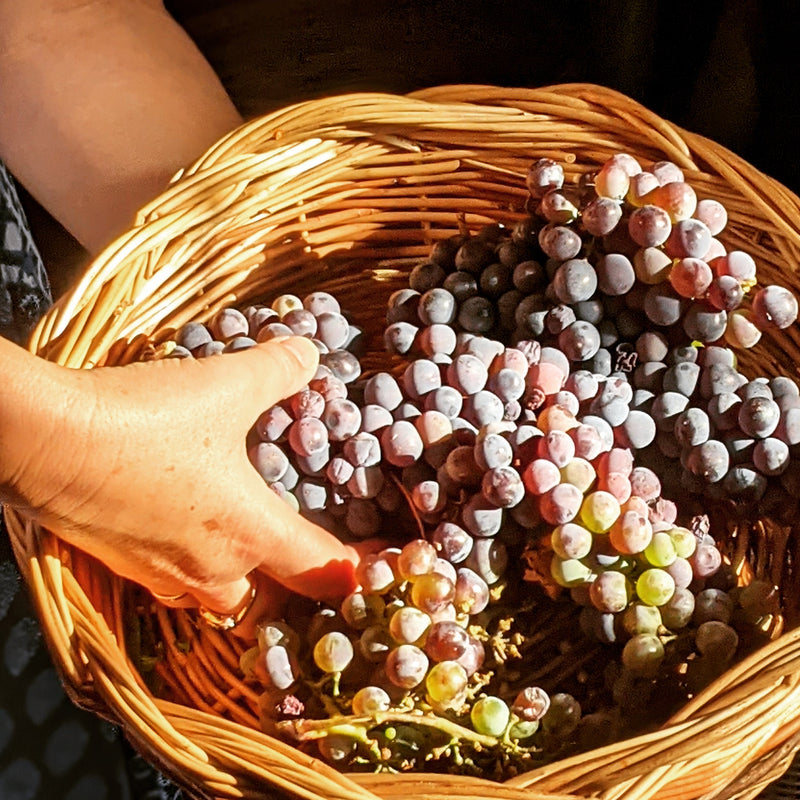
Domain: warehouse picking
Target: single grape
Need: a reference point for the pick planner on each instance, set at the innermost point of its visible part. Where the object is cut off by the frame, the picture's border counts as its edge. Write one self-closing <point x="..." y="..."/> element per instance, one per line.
<point x="370" y="701"/>
<point x="472" y="590"/>
<point x="333" y="652"/>
<point x="416" y="558"/>
<point x="406" y="666"/>
<point x="446" y="641"/>
<point x="643" y="654"/>
<point x="649" y="226"/>
<point x="599" y="511"/>
<point x="432" y="592"/>
<point x="490" y="715"/>
<point x="409" y="625"/>
<point x="631" y="533"/>
<point x="574" y="280"/>
<point x="655" y="586"/>
<point x="446" y="685"/>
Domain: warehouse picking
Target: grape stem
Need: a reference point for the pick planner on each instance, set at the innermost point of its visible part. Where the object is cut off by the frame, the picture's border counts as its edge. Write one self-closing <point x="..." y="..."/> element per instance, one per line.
<point x="357" y="726"/>
<point x="412" y="507"/>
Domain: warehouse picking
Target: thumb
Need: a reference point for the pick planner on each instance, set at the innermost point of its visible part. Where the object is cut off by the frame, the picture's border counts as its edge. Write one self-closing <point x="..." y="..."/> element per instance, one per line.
<point x="272" y="370"/>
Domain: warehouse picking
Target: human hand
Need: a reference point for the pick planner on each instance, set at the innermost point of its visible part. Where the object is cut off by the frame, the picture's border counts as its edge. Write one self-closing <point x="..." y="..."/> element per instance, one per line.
<point x="145" y="467"/>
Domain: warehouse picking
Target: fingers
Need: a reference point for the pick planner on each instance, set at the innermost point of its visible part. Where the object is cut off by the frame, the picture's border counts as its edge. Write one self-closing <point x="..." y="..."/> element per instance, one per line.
<point x="306" y="558"/>
<point x="267" y="373"/>
<point x="245" y="601"/>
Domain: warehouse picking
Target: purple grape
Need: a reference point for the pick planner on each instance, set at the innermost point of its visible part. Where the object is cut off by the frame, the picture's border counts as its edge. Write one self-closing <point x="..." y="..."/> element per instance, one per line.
<point x="362" y="449"/>
<point x="426" y="276"/>
<point x="759" y="416"/>
<point x="308" y="436"/>
<point x="574" y="280"/>
<point x="343" y="364"/>
<point x="375" y="418"/>
<point x="269" y="460"/>
<point x="774" y="307"/>
<point x="273" y="424"/>
<point x="649" y="226"/>
<point x="580" y="341"/>
<point x="401" y="443"/>
<point x="709" y="460"/>
<point x="559" y="242"/>
<point x="319" y="302"/>
<point x="452" y="541"/>
<point x="477" y="315"/>
<point x="402" y="307"/>
<point x="503" y="487"/>
<point x="467" y="374"/>
<point x="342" y="418"/>
<point x="307" y="403"/>
<point x="529" y="277"/>
<point x="421" y="377"/>
<point x="383" y="390"/>
<point x="483" y="408"/>
<point x="399" y="337"/>
<point x="601" y="215"/>
<point x="462" y="285"/>
<point x="437" y="306"/>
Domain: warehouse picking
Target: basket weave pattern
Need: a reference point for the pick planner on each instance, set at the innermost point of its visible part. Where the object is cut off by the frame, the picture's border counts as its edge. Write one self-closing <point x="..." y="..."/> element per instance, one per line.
<point x="345" y="194"/>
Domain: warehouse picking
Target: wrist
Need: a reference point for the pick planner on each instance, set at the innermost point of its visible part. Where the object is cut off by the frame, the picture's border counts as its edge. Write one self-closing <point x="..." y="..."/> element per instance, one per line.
<point x="37" y="399"/>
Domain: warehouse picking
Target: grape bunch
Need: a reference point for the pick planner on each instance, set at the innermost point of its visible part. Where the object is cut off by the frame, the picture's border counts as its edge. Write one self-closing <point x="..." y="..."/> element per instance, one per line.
<point x="555" y="387"/>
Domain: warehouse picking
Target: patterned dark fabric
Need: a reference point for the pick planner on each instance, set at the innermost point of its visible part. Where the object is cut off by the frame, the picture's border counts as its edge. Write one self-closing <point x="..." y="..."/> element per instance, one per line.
<point x="49" y="748"/>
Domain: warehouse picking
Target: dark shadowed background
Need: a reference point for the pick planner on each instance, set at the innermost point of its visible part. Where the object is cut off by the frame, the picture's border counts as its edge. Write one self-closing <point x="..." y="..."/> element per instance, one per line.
<point x="728" y="70"/>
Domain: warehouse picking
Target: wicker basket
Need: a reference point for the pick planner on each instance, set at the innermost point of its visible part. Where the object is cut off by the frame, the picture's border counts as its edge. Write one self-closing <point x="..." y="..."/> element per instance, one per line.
<point x="343" y="194"/>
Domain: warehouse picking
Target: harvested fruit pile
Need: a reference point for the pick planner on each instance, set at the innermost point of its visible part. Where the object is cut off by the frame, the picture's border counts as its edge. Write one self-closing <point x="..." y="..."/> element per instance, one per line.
<point x="559" y="442"/>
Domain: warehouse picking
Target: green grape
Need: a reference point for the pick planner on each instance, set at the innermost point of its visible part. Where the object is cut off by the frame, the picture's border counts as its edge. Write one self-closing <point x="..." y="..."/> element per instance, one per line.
<point x="643" y="654"/>
<point x="661" y="550"/>
<point x="446" y="684"/>
<point x="523" y="729"/>
<point x="641" y="618"/>
<point x="286" y="303"/>
<point x="569" y="572"/>
<point x="684" y="541"/>
<point x="432" y="592"/>
<point x="371" y="700"/>
<point x="579" y="472"/>
<point x="655" y="587"/>
<point x="490" y="715"/>
<point x="599" y="511"/>
<point x="333" y="652"/>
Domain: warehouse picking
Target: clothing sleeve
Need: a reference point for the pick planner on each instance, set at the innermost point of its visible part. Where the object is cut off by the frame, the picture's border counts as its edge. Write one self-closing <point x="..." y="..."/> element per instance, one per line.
<point x="24" y="288"/>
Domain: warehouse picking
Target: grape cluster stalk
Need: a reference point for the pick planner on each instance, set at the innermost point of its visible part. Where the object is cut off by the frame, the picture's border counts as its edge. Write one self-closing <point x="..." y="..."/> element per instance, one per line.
<point x="564" y="439"/>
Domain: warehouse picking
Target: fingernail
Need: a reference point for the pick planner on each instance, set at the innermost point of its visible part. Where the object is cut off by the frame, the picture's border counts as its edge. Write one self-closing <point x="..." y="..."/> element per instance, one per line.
<point x="301" y="348"/>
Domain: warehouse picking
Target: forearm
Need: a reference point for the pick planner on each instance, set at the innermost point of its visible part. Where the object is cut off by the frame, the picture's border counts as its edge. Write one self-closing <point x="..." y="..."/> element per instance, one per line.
<point x="100" y="104"/>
